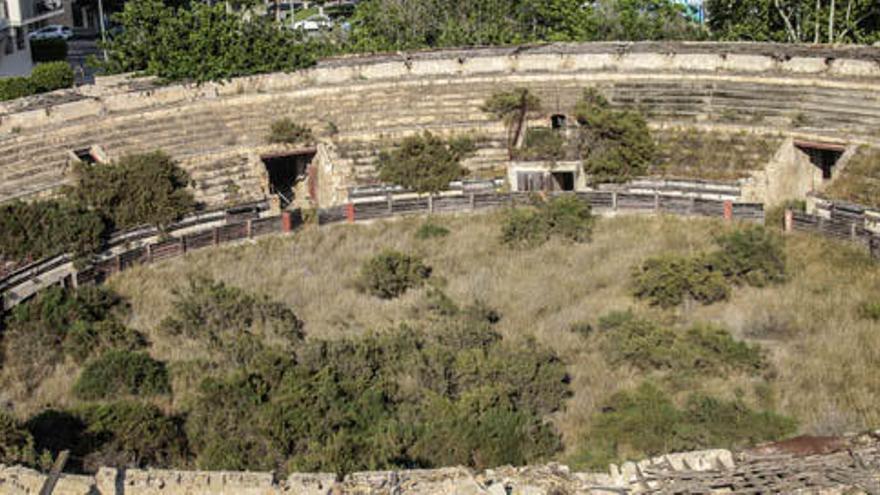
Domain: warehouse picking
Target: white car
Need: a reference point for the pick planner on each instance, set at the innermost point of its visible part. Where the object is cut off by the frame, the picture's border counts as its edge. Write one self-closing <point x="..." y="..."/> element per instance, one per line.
<point x="314" y="23"/>
<point x="52" y="32"/>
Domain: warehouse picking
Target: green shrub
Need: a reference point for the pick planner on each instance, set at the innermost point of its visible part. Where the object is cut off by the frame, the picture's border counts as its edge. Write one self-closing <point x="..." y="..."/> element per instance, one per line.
<point x="15" y="87"/>
<point x="144" y="189"/>
<point x="704" y="349"/>
<point x="424" y="163"/>
<point x="286" y="131"/>
<point x="645" y="422"/>
<point x="869" y="310"/>
<point x="616" y="145"/>
<point x="668" y="280"/>
<point x="430" y="230"/>
<point x="524" y="228"/>
<point x="541" y="143"/>
<point x="42" y="331"/>
<point x="750" y="255"/>
<point x="389" y="274"/>
<point x="119" y="372"/>
<point x="48" y="50"/>
<point x="42" y="229"/>
<point x="566" y="217"/>
<point x="85" y="339"/>
<point x="132" y="435"/>
<point x="230" y="321"/>
<point x="16" y="443"/>
<point x="51" y="76"/>
<point x="513" y="108"/>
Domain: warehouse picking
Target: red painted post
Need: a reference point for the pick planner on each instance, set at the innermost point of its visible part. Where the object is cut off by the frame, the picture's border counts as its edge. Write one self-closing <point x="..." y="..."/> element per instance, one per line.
<point x="349" y="212"/>
<point x="286" y="222"/>
<point x="788" y="223"/>
<point x="728" y="210"/>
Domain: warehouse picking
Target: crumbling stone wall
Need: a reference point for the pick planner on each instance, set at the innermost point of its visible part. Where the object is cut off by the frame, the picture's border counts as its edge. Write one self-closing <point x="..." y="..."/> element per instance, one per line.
<point x="801" y="465"/>
<point x="359" y="104"/>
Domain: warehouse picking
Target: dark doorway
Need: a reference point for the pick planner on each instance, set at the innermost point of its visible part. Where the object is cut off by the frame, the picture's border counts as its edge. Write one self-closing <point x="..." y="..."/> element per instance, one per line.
<point x="563" y="181"/>
<point x="85" y="155"/>
<point x="285" y="172"/>
<point x="823" y="156"/>
<point x="557" y="121"/>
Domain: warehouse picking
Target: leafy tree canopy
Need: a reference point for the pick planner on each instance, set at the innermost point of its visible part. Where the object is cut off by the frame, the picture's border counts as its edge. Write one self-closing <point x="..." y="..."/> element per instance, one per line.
<point x="425" y="163"/>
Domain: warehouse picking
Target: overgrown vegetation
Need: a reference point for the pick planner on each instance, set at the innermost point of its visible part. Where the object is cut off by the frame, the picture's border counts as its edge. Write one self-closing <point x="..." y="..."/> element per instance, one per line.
<point x="565" y="217"/>
<point x="232" y="324"/>
<point x="701" y="350"/>
<point x="390" y="273"/>
<point x="119" y="373"/>
<point x="59" y="324"/>
<point x="45" y="77"/>
<point x="748" y="255"/>
<point x="541" y="143"/>
<point x="711" y="155"/>
<point x="859" y="182"/>
<point x="286" y="131"/>
<point x="513" y="108"/>
<point x="615" y="145"/>
<point x="645" y="422"/>
<point x="203" y="42"/>
<point x="425" y="163"/>
<point x="136" y="190"/>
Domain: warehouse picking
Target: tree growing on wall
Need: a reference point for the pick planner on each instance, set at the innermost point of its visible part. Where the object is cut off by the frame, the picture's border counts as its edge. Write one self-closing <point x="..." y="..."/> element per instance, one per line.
<point x="425" y="163"/>
<point x="615" y="145"/>
<point x="144" y="189"/>
<point x="513" y="107"/>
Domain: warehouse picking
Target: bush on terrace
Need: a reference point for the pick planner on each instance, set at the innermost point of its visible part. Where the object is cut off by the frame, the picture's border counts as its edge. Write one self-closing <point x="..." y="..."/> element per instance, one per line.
<point x="425" y="163"/>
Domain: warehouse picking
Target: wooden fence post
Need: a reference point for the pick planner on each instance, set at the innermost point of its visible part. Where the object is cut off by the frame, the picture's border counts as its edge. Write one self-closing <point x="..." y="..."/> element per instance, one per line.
<point x="430" y="203"/>
<point x="349" y="212"/>
<point x="788" y="221"/>
<point x="287" y="222"/>
<point x="852" y="231"/>
<point x="183" y="245"/>
<point x="728" y="210"/>
<point x="216" y="236"/>
<point x="148" y="253"/>
<point x="118" y="263"/>
<point x="614" y="200"/>
<point x="656" y="201"/>
<point x="390" y="204"/>
<point x="473" y="202"/>
<point x="249" y="228"/>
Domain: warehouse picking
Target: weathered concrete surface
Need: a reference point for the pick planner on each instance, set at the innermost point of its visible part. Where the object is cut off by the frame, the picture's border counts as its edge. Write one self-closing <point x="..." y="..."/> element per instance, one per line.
<point x="357" y="105"/>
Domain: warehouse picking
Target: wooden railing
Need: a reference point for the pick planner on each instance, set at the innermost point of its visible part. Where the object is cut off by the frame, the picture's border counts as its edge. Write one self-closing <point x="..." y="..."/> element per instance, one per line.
<point x="837" y="227"/>
<point x="208" y="230"/>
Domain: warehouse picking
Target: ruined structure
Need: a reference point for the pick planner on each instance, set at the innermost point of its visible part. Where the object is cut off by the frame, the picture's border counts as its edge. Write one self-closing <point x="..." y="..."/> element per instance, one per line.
<point x="811" y="99"/>
<point x="804" y="465"/>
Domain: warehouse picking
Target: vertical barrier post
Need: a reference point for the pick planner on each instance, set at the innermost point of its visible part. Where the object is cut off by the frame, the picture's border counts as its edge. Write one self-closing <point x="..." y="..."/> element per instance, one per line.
<point x="614" y="200"/>
<point x="656" y="201"/>
<point x="852" y="231"/>
<point x="728" y="210"/>
<point x="249" y="228"/>
<point x="349" y="212"/>
<point x="118" y="263"/>
<point x="430" y="203"/>
<point x="390" y="204"/>
<point x="216" y="236"/>
<point x="473" y="203"/>
<point x="286" y="222"/>
<point x="788" y="221"/>
<point x="183" y="245"/>
<point x="148" y="253"/>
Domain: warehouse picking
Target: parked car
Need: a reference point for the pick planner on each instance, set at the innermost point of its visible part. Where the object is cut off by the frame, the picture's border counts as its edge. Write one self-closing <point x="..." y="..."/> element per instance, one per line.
<point x="52" y="32"/>
<point x="314" y="23"/>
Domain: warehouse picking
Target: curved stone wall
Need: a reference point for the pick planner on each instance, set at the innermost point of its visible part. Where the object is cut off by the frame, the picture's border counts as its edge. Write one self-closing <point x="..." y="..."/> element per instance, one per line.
<point x="356" y="104"/>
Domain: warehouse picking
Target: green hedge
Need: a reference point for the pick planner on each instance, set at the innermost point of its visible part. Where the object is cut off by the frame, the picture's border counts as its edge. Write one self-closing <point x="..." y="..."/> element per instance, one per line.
<point x="122" y="372"/>
<point x="44" y="78"/>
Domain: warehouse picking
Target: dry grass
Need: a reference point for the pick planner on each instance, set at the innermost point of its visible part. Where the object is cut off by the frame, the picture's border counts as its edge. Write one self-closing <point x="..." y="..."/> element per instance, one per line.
<point x="825" y="358"/>
<point x="859" y="181"/>
<point x="712" y="155"/>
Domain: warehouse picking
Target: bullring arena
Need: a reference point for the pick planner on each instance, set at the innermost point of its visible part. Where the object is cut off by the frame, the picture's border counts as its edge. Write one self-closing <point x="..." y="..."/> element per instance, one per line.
<point x="788" y="119"/>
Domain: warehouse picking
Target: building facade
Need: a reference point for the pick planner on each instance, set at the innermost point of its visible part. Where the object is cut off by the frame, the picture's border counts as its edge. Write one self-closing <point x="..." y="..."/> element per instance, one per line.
<point x="17" y="19"/>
